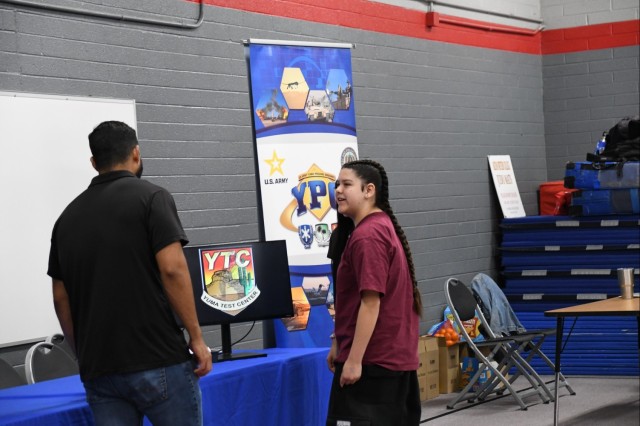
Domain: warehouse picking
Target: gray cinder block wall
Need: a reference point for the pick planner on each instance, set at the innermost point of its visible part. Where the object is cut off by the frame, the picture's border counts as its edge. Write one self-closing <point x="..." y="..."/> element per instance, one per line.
<point x="585" y="94"/>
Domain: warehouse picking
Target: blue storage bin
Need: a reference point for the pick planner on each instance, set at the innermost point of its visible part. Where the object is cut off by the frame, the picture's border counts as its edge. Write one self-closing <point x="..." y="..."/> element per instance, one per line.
<point x="605" y="175"/>
<point x="604" y="201"/>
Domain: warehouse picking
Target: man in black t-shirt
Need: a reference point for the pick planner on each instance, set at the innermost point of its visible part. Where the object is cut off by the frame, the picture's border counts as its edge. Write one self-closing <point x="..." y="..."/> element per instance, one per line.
<point x="119" y="273"/>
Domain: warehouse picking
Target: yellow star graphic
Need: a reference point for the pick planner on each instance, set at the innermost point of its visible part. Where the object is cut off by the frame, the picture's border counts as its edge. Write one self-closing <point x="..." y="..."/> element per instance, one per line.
<point x="275" y="163"/>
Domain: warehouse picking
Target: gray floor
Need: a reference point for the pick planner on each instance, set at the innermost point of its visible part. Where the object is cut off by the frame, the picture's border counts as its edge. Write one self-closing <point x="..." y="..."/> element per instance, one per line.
<point x="598" y="401"/>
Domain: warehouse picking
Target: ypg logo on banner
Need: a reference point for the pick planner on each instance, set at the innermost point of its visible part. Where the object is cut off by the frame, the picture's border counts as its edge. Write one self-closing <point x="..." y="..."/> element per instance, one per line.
<point x="315" y="193"/>
<point x="228" y="277"/>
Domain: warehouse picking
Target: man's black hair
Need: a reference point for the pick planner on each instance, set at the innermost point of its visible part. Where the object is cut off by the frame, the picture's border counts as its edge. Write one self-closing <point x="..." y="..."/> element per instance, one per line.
<point x="111" y="143"/>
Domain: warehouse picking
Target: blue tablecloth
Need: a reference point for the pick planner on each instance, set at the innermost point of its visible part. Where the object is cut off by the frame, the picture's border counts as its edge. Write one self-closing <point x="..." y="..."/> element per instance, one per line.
<point x="288" y="387"/>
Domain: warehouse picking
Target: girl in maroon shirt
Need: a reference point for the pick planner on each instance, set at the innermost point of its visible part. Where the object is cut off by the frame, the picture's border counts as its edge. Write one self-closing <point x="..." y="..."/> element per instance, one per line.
<point x="374" y="355"/>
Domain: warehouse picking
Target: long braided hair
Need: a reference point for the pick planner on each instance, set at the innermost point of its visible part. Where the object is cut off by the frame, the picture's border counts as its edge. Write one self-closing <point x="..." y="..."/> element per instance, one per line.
<point x="337" y="243"/>
<point x="372" y="172"/>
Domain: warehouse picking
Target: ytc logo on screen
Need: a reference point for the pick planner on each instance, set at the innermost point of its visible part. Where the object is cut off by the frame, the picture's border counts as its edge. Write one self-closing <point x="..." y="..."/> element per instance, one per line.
<point x="228" y="279"/>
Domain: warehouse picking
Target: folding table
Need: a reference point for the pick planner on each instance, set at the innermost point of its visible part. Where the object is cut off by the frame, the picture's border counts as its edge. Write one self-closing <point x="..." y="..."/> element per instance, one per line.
<point x="609" y="307"/>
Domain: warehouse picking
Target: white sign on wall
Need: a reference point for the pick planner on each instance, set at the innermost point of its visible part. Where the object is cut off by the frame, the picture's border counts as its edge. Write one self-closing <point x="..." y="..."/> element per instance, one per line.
<point x="504" y="180"/>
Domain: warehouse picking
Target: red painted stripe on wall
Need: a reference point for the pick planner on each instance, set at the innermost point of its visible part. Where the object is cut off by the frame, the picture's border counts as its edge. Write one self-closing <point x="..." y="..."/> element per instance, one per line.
<point x="591" y="37"/>
<point x="388" y="19"/>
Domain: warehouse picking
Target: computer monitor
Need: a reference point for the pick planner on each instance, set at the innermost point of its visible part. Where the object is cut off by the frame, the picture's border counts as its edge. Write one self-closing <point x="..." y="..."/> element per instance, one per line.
<point x="243" y="282"/>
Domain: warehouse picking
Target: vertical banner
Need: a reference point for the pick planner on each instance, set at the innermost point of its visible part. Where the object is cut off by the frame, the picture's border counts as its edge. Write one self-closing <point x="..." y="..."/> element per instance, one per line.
<point x="304" y="129"/>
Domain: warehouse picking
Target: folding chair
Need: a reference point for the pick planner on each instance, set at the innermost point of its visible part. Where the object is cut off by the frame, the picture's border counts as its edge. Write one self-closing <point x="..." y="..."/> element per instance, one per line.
<point x="505" y="349"/>
<point x="502" y="321"/>
<point x="9" y="377"/>
<point x="46" y="361"/>
<point x="59" y="340"/>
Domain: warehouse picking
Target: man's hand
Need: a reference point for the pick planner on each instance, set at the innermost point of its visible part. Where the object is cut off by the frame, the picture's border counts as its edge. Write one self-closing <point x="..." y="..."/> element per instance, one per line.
<point x="202" y="353"/>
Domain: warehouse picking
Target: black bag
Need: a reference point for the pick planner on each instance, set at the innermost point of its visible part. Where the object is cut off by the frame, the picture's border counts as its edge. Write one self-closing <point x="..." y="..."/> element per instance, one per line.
<point x="623" y="142"/>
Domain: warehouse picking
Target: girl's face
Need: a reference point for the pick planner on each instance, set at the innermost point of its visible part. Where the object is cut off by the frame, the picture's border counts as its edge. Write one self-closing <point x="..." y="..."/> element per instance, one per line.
<point x="350" y="195"/>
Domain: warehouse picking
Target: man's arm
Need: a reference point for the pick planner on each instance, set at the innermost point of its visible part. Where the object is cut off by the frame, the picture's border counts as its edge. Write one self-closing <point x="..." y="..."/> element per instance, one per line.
<point x="365" y="324"/>
<point x="63" y="312"/>
<point x="177" y="285"/>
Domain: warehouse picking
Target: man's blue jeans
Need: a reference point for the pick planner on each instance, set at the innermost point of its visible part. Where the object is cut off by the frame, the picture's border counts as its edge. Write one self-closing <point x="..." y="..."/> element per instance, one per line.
<point x="167" y="396"/>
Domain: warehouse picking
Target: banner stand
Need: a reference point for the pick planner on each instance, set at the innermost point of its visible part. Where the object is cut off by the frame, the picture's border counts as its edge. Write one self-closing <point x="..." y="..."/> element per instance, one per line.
<point x="303" y="119"/>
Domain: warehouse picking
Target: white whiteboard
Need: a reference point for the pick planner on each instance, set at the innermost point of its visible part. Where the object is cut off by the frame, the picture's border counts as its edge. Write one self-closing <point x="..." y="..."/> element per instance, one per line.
<point x="44" y="165"/>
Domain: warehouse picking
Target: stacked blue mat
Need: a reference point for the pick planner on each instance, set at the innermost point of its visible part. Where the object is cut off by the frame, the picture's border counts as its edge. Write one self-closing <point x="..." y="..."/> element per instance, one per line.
<point x="551" y="262"/>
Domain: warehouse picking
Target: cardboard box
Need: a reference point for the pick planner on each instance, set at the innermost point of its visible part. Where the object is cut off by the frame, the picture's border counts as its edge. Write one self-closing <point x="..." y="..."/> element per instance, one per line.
<point x="431" y="359"/>
<point x="432" y="385"/>
<point x="422" y="358"/>
<point x="439" y="367"/>
<point x="447" y="355"/>
<point x="449" y="366"/>
<point x="422" y="384"/>
<point x="429" y="366"/>
<point x="428" y="355"/>
<point x="448" y="379"/>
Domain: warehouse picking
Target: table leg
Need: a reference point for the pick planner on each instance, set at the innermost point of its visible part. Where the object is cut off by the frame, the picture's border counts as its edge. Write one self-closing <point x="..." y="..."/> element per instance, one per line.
<point x="559" y="331"/>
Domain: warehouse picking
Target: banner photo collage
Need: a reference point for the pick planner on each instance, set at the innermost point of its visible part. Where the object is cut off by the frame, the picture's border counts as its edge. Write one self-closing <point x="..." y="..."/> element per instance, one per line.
<point x="304" y="123"/>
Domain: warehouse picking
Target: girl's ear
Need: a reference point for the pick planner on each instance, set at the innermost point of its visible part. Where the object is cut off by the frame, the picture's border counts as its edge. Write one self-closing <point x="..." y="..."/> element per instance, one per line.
<point x="370" y="190"/>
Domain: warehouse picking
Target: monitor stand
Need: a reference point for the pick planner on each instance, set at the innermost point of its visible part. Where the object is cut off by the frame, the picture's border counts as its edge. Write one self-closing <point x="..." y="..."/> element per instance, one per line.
<point x="225" y="354"/>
